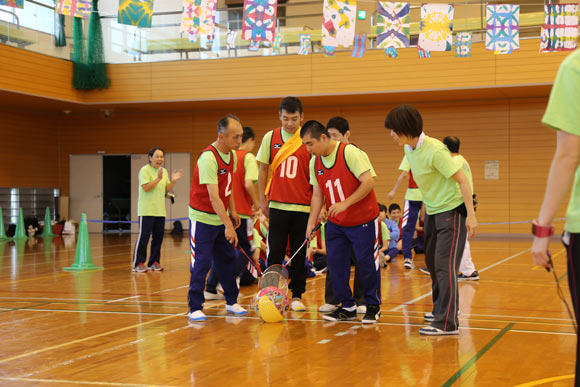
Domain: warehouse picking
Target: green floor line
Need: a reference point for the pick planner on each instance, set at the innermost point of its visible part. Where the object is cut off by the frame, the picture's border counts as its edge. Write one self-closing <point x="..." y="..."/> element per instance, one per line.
<point x="24" y="307"/>
<point x="562" y="276"/>
<point x="479" y="354"/>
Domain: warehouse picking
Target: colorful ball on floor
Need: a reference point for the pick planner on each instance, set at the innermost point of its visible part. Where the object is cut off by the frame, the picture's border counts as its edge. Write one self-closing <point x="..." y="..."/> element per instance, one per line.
<point x="271" y="304"/>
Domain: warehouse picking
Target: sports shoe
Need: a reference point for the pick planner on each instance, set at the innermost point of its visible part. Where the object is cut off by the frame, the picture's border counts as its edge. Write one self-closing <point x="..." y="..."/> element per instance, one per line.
<point x="408" y="263"/>
<point x="473" y="277"/>
<point x="340" y="315"/>
<point x="297" y="305"/>
<point x="212" y="296"/>
<point x="361" y="309"/>
<point x="372" y="314"/>
<point x="236" y="309"/>
<point x="140" y="268"/>
<point x="198" y="315"/>
<point x="432" y="331"/>
<point x="327" y="308"/>
<point x="424" y="270"/>
<point x="429" y="317"/>
<point x="156" y="267"/>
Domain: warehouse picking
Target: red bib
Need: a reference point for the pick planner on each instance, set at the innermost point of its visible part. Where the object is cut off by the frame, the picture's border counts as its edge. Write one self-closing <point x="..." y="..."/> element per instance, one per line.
<point x="241" y="196"/>
<point x="412" y="183"/>
<point x="338" y="183"/>
<point x="290" y="181"/>
<point x="199" y="197"/>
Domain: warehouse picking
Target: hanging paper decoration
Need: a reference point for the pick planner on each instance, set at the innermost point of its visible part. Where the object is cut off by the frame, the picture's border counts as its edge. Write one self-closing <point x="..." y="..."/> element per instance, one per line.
<point x="436" y="26"/>
<point x="254" y="45"/>
<point x="276" y="45"/>
<point x="231" y="39"/>
<point x="259" y="23"/>
<point x="328" y="50"/>
<point x="463" y="42"/>
<point x="423" y="53"/>
<point x="305" y="44"/>
<point x="338" y="22"/>
<point x="75" y="8"/>
<point x="393" y="25"/>
<point x="503" y="28"/>
<point x="13" y="3"/>
<point x="135" y="13"/>
<point x="359" y="48"/>
<point x="198" y="18"/>
<point x="391" y="52"/>
<point x="560" y="31"/>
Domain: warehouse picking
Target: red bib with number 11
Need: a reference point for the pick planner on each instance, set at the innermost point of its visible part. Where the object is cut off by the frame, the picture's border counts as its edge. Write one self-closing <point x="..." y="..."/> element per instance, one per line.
<point x="338" y="183"/>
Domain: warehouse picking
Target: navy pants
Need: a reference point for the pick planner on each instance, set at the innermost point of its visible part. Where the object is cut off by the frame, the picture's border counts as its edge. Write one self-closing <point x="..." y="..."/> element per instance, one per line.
<point x="363" y="240"/>
<point x="573" y="250"/>
<point x="410" y="213"/>
<point x="241" y="259"/>
<point x="149" y="226"/>
<point x="208" y="244"/>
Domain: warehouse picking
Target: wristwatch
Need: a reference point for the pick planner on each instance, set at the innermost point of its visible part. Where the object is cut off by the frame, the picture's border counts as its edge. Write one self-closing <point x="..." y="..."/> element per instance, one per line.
<point x="542" y="231"/>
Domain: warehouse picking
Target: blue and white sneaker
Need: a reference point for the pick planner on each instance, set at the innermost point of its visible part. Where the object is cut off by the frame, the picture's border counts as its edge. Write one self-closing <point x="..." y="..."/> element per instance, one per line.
<point x="236" y="309"/>
<point x="198" y="315"/>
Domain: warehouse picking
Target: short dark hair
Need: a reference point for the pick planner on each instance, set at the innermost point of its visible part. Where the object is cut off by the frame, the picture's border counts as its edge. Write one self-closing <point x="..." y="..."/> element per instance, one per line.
<point x="225" y="121"/>
<point x="338" y="123"/>
<point x="155" y="148"/>
<point x="406" y="120"/>
<point x="393" y="207"/>
<point x="452" y="143"/>
<point x="291" y="105"/>
<point x="382" y="208"/>
<point x="248" y="134"/>
<point x="313" y="128"/>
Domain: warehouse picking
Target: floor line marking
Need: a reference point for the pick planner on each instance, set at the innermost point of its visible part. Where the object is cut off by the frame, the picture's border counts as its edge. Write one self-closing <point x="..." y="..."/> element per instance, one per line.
<point x="546" y="380"/>
<point x="341" y="333"/>
<point x="9" y="379"/>
<point x="478" y="355"/>
<point x="324" y="341"/>
<point x="122" y="299"/>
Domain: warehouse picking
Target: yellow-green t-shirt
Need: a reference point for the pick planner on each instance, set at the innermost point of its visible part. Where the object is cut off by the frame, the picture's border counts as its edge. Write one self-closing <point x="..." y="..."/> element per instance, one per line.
<point x="385" y="234"/>
<point x="208" y="174"/>
<point x="432" y="167"/>
<point x="357" y="161"/>
<point x="263" y="157"/>
<point x="464" y="166"/>
<point x="152" y="203"/>
<point x="412" y="194"/>
<point x="563" y="113"/>
<point x="251" y="173"/>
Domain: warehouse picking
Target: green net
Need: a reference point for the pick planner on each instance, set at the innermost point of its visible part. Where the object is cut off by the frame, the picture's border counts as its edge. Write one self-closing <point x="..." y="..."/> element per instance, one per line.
<point x="59" y="35"/>
<point x="90" y="71"/>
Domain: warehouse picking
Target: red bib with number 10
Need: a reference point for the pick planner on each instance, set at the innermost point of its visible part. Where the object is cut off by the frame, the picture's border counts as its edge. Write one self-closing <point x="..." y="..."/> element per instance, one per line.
<point x="338" y="183"/>
<point x="199" y="196"/>
<point x="290" y="181"/>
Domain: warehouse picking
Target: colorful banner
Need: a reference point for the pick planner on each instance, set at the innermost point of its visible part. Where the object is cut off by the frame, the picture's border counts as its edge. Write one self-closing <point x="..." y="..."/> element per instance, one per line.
<point x="423" y="53"/>
<point x="135" y="13"/>
<point x="13" y="3"/>
<point x="560" y="30"/>
<point x="393" y="25"/>
<point x="503" y="28"/>
<point x="463" y="41"/>
<point x="198" y="17"/>
<point x="391" y="52"/>
<point x="259" y="23"/>
<point x="328" y="50"/>
<point x="276" y="45"/>
<point x="338" y="22"/>
<point x="305" y="44"/>
<point x="436" y="26"/>
<point x="254" y="46"/>
<point x="75" y="8"/>
<point x="359" y="47"/>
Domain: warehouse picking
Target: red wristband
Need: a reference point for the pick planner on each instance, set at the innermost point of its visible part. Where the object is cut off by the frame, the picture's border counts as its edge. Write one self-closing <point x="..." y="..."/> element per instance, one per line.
<point x="542" y="231"/>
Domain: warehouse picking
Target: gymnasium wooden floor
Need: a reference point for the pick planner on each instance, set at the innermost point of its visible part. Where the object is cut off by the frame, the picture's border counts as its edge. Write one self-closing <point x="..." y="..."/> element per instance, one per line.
<point x="115" y="328"/>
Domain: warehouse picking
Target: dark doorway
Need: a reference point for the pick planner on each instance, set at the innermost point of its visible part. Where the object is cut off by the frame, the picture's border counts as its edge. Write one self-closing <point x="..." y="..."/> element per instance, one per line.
<point x="117" y="193"/>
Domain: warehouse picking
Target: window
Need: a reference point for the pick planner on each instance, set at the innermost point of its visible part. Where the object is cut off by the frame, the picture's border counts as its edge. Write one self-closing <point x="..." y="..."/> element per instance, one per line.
<point x="38" y="17"/>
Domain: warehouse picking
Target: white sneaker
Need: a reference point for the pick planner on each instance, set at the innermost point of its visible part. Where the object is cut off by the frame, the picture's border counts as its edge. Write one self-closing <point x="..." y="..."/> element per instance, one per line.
<point x="236" y="309"/>
<point x="361" y="309"/>
<point x="213" y="296"/>
<point x="327" y="308"/>
<point x="219" y="288"/>
<point x="198" y="315"/>
<point x="297" y="305"/>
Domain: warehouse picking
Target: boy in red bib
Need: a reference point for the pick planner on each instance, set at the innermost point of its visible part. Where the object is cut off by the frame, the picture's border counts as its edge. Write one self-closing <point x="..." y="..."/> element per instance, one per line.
<point x="341" y="174"/>
<point x="212" y="229"/>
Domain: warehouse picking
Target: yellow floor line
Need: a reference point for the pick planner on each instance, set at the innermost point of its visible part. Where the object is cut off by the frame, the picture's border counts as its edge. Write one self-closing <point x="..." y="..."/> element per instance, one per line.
<point x="60" y="381"/>
<point x="547" y="380"/>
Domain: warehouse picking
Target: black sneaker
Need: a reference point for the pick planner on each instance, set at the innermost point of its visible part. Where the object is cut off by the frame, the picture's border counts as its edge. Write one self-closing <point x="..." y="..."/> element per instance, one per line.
<point x="341" y="315"/>
<point x="473" y="277"/>
<point x="372" y="315"/>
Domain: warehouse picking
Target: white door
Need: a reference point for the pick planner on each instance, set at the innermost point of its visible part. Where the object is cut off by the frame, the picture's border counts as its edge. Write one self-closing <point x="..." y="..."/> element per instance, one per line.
<point x="86" y="189"/>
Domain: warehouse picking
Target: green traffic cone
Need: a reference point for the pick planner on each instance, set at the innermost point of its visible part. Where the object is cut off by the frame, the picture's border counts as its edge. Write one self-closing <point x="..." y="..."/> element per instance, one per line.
<point x="83" y="256"/>
<point x="47" y="230"/>
<point x="2" y="232"/>
<point x="47" y="244"/>
<point x="20" y="231"/>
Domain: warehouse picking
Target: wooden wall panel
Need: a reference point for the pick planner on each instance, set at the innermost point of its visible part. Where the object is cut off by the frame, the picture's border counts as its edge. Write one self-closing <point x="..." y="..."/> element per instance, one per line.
<point x="29" y="156"/>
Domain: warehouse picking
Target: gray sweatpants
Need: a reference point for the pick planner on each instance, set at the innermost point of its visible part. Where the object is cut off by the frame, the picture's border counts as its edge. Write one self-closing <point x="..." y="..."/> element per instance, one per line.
<point x="445" y="236"/>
